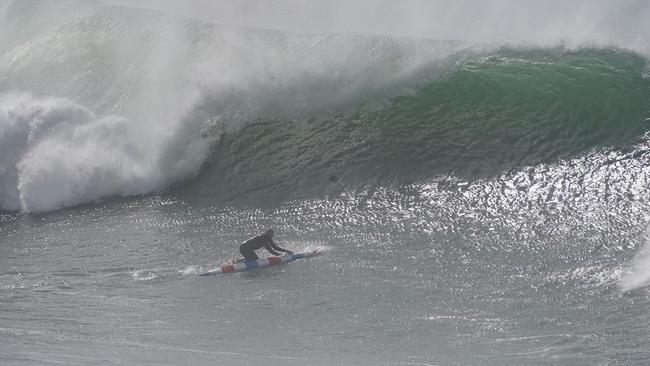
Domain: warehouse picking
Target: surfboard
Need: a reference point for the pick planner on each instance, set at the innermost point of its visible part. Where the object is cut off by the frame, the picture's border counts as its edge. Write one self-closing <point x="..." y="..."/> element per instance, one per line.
<point x="261" y="263"/>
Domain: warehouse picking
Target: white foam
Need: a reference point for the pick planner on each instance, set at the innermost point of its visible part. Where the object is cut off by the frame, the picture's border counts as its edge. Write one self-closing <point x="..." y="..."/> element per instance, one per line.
<point x="638" y="275"/>
<point x="190" y="270"/>
<point x="143" y="275"/>
<point x="55" y="153"/>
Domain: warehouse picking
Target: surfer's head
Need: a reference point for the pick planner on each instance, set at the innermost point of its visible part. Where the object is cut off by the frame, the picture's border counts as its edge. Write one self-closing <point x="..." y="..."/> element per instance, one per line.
<point x="269" y="232"/>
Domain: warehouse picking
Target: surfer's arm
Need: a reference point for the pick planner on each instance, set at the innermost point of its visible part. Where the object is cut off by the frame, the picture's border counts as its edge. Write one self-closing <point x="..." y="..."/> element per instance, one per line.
<point x="276" y="247"/>
<point x="269" y="247"/>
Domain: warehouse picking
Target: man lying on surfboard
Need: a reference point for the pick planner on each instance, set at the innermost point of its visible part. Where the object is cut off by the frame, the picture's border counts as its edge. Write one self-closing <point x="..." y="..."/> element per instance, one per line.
<point x="248" y="248"/>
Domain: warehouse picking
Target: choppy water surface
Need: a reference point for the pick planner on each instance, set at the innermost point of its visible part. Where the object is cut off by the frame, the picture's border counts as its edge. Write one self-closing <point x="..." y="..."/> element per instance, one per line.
<point x="443" y="273"/>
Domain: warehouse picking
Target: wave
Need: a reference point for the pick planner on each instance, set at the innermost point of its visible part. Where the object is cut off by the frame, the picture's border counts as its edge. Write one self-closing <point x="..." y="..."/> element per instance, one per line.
<point x="157" y="91"/>
<point x="102" y="101"/>
<point x="494" y="112"/>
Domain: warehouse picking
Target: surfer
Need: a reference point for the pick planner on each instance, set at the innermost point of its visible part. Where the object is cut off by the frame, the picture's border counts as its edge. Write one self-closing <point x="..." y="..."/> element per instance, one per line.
<point x="248" y="248"/>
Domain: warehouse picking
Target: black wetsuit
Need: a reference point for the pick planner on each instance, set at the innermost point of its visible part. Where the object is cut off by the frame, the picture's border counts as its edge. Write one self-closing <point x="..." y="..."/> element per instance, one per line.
<point x="248" y="248"/>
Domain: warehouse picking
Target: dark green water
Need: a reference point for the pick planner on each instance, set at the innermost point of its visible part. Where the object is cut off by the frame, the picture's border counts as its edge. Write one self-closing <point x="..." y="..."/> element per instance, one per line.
<point x="494" y="113"/>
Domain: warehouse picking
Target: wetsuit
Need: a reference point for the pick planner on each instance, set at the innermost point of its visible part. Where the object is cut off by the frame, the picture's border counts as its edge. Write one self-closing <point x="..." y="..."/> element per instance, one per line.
<point x="248" y="248"/>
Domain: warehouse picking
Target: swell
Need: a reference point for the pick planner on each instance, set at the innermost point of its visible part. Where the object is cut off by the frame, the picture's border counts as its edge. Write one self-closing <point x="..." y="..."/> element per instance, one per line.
<point x="491" y="113"/>
<point x="167" y="86"/>
<point x="271" y="116"/>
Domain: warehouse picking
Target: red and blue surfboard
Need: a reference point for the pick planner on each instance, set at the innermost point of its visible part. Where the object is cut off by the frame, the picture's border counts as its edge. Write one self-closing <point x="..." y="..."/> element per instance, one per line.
<point x="261" y="263"/>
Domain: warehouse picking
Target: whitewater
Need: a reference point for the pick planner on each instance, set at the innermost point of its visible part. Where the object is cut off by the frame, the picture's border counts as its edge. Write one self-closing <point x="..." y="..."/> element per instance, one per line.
<point x="477" y="175"/>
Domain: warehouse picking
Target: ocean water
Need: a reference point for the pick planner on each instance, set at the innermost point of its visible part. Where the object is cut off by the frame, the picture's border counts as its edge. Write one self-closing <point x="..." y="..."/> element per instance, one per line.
<point x="478" y="203"/>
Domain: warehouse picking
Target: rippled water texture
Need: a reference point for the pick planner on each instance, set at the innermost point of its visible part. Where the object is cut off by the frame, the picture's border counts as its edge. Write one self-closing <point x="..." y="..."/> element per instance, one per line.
<point x="521" y="269"/>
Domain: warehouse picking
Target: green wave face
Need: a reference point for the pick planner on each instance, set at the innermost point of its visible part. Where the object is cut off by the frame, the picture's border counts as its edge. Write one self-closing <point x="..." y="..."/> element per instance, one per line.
<point x="511" y="109"/>
<point x="495" y="112"/>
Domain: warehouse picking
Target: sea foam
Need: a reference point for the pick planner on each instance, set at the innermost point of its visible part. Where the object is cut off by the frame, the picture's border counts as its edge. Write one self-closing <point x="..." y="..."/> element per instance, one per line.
<point x="638" y="275"/>
<point x="55" y="153"/>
